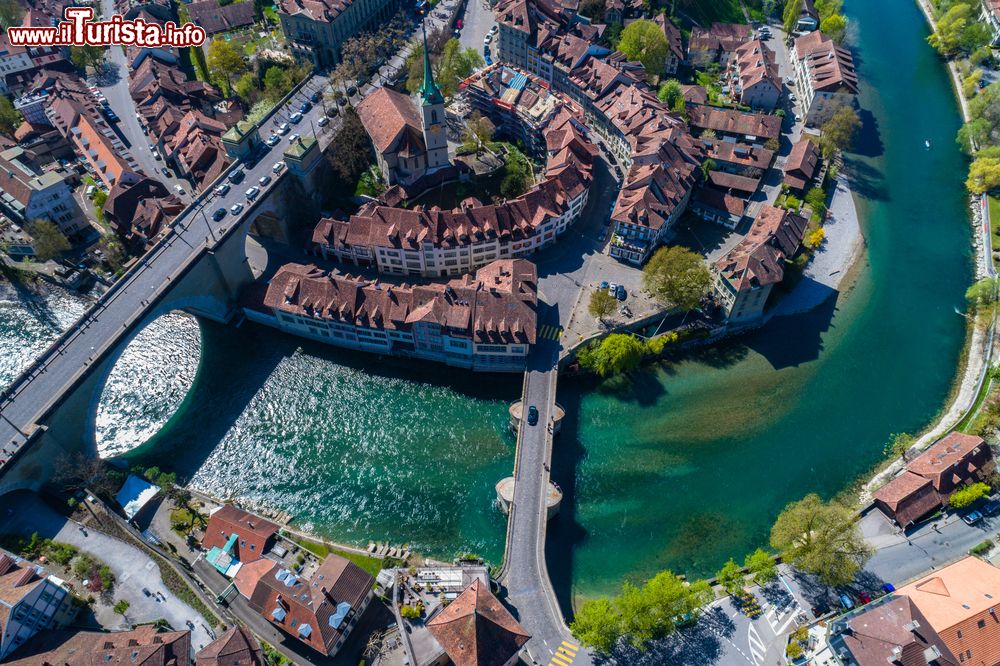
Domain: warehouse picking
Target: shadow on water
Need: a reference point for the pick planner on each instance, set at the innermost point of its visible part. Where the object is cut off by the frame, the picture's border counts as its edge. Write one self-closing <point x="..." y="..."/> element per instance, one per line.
<point x="865" y="180"/>
<point x="790" y="341"/>
<point x="38" y="307"/>
<point x="238" y="362"/>
<point x="868" y="142"/>
<point x="565" y="533"/>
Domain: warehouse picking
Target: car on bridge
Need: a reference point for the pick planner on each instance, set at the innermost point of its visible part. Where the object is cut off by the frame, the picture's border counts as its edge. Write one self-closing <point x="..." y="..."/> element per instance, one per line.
<point x="252" y="193"/>
<point x="265" y="180"/>
<point x="292" y="138"/>
<point x="284" y="128"/>
<point x="273" y="139"/>
<point x="323" y="122"/>
<point x="219" y="214"/>
<point x="278" y="166"/>
<point x="305" y="106"/>
<point x="236" y="209"/>
<point x="236" y="176"/>
<point x="532" y="415"/>
<point x="222" y="190"/>
<point x="295" y="118"/>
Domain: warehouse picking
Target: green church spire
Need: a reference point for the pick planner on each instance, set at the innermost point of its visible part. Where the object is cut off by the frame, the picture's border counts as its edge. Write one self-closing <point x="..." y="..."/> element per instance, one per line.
<point x="429" y="90"/>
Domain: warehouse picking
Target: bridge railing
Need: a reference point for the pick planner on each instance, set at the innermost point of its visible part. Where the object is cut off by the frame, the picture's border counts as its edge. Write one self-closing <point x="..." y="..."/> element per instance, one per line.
<point x="192" y="209"/>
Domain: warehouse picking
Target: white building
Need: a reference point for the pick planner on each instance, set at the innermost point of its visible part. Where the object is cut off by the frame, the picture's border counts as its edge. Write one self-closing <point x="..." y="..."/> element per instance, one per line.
<point x="825" y="75"/>
<point x="30" y="601"/>
<point x="28" y="194"/>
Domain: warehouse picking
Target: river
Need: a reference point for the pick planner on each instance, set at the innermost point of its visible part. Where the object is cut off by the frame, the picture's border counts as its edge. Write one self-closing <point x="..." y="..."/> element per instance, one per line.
<point x="683" y="466"/>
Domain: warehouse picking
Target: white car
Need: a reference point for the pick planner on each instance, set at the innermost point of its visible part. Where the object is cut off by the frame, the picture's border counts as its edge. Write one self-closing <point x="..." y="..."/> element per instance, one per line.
<point x="222" y="190"/>
<point x="278" y="166"/>
<point x="323" y="122"/>
<point x="273" y="139"/>
<point x="180" y="190"/>
<point x="293" y="138"/>
<point x="283" y="128"/>
<point x="295" y="118"/>
<point x="612" y="288"/>
<point x="264" y="180"/>
<point x="252" y="193"/>
<point x="798" y="118"/>
<point x="236" y="209"/>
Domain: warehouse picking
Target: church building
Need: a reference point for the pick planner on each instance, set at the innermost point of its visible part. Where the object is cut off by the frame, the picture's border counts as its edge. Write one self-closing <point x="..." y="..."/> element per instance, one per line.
<point x="409" y="143"/>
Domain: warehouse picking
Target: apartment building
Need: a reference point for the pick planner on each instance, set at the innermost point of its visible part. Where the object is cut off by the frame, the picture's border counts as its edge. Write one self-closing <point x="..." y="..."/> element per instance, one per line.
<point x="31" y="601"/>
<point x="753" y="76"/>
<point x="825" y="75"/>
<point x="486" y="322"/>
<point x="27" y="193"/>
<point x="316" y="29"/>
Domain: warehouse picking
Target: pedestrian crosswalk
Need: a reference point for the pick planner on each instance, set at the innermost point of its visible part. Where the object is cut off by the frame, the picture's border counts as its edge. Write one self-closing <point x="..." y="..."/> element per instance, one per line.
<point x="565" y="654"/>
<point x="550" y="332"/>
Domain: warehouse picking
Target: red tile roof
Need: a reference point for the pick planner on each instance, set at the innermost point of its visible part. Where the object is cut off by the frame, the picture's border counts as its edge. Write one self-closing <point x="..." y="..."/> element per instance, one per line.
<point x="236" y="647"/>
<point x="758" y="259"/>
<point x="907" y="498"/>
<point x="942" y="458"/>
<point x="801" y="165"/>
<point x="476" y="630"/>
<point x="882" y="634"/>
<point x="390" y="116"/>
<point x="255" y="533"/>
<point x="830" y="67"/>
<point x="143" y="646"/>
<point x="721" y="36"/>
<point x="732" y="121"/>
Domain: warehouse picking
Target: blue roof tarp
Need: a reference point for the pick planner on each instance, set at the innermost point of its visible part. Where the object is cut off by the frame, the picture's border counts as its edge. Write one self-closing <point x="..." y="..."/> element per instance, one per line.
<point x="135" y="494"/>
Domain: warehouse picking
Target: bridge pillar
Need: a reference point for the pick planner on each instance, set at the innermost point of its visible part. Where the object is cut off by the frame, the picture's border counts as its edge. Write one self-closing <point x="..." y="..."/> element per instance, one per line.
<point x="516" y="411"/>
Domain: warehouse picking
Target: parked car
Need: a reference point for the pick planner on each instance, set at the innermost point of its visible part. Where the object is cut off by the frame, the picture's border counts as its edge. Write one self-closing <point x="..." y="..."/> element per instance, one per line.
<point x="532" y="415"/>
<point x="620" y="293"/>
<point x="458" y="24"/>
<point x="292" y="138"/>
<point x="604" y="284"/>
<point x="222" y="190"/>
<point x="991" y="508"/>
<point x="264" y="180"/>
<point x="165" y="171"/>
<point x="295" y="118"/>
<point x="236" y="209"/>
<point x="90" y="191"/>
<point x="236" y="176"/>
<point x="219" y="214"/>
<point x="284" y="128"/>
<point x="332" y="111"/>
<point x="252" y="193"/>
<point x="278" y="166"/>
<point x="323" y="122"/>
<point x="972" y="517"/>
<point x="846" y="601"/>
<point x="612" y="288"/>
<point x="352" y="91"/>
<point x="179" y="189"/>
<point x="315" y="97"/>
<point x="864" y="597"/>
<point x="273" y="139"/>
<point x="305" y="106"/>
<point x="342" y="101"/>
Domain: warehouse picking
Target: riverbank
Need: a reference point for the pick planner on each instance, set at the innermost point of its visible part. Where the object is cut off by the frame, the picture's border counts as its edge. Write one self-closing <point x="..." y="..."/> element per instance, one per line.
<point x="981" y="341"/>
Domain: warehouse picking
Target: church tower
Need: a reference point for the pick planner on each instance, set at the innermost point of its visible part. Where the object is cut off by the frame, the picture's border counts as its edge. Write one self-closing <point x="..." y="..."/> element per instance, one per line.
<point x="432" y="108"/>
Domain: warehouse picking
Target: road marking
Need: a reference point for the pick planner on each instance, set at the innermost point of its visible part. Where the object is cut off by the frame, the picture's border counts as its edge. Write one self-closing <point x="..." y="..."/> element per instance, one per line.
<point x="757" y="647"/>
<point x="550" y="332"/>
<point x="564" y="655"/>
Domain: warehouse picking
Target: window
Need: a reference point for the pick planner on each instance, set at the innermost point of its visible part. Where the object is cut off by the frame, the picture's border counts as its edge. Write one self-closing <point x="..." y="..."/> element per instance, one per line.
<point x="434" y="117"/>
<point x="981" y="624"/>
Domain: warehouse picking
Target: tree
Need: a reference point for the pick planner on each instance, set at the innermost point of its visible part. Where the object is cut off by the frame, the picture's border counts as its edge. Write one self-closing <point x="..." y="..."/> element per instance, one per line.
<point x="983" y="293"/>
<point x="643" y="40"/>
<point x="615" y="354"/>
<point x="898" y="444"/>
<point x="350" y="151"/>
<point x="49" y="241"/>
<point x="597" y="624"/>
<point x="959" y="30"/>
<point x="816" y="198"/>
<point x="246" y="88"/>
<point x="984" y="175"/>
<point x="964" y="497"/>
<point x="225" y="62"/>
<point x="670" y="92"/>
<point x="456" y="66"/>
<point x="790" y="16"/>
<point x="593" y="9"/>
<point x="478" y="130"/>
<point x="10" y="118"/>
<point x="731" y="577"/>
<point x="517" y="173"/>
<point x="814" y="238"/>
<point x="761" y="566"/>
<point x="275" y="83"/>
<point x="839" y="130"/>
<point x="602" y="304"/>
<point x="11" y="13"/>
<point x="970" y="84"/>
<point x="834" y="27"/>
<point x="677" y="275"/>
<point x="121" y="607"/>
<point x="87" y="56"/>
<point x="821" y="538"/>
<point x="707" y="167"/>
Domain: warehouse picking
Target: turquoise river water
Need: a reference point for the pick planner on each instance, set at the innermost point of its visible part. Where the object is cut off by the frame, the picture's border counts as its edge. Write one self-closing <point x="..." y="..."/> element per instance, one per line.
<point x="681" y="466"/>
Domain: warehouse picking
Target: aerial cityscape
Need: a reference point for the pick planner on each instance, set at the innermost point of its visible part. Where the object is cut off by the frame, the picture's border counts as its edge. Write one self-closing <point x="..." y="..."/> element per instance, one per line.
<point x="495" y="332"/>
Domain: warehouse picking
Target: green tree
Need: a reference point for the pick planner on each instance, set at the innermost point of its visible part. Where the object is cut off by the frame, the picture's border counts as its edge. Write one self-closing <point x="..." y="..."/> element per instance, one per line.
<point x="615" y="354"/>
<point x="959" y="30"/>
<point x="707" y="167"/>
<point x="731" y="577"/>
<point x="597" y="624"/>
<point x="49" y="241"/>
<point x="964" y="497"/>
<point x="121" y="607"/>
<point x="246" y="88"/>
<point x="983" y="293"/>
<point x="761" y="566"/>
<point x="225" y="62"/>
<point x="10" y="118"/>
<point x="602" y="304"/>
<point x="816" y="198"/>
<point x="478" y="130"/>
<point x="670" y="92"/>
<point x="970" y="84"/>
<point x="898" y="444"/>
<point x="87" y="56"/>
<point x="827" y="8"/>
<point x="835" y="27"/>
<point x="11" y="13"/>
<point x="456" y="65"/>
<point x="839" y="130"/>
<point x="643" y="40"/>
<point x="517" y="173"/>
<point x="821" y="538"/>
<point x="677" y="275"/>
<point x="984" y="175"/>
<point x="790" y="16"/>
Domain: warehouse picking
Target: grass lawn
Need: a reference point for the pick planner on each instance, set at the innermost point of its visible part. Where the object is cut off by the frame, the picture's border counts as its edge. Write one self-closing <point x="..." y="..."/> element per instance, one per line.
<point x="320" y="549"/>
<point x="995" y="224"/>
<point x="725" y="11"/>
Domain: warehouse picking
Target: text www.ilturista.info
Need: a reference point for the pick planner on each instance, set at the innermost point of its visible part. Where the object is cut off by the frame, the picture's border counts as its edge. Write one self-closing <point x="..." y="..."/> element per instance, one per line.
<point x="79" y="29"/>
